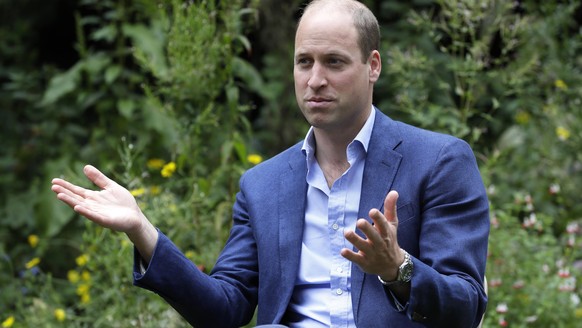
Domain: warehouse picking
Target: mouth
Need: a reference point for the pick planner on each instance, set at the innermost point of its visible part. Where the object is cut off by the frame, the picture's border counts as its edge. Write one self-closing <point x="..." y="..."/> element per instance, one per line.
<point x="318" y="101"/>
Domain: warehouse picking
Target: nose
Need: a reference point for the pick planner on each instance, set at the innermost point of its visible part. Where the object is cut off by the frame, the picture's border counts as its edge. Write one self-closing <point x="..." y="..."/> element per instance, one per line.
<point x="318" y="77"/>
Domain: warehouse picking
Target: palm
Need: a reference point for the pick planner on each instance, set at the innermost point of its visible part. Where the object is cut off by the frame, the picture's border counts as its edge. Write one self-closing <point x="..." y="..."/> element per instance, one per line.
<point x="112" y="207"/>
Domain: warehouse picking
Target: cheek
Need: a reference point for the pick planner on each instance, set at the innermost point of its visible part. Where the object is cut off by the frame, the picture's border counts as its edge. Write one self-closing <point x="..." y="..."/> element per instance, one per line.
<point x="300" y="79"/>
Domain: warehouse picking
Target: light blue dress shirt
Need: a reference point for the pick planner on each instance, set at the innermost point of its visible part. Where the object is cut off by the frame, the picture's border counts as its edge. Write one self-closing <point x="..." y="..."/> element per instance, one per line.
<point x="322" y="296"/>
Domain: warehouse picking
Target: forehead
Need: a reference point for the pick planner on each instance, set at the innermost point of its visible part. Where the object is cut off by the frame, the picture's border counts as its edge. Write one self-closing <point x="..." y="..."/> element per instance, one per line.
<point x="329" y="30"/>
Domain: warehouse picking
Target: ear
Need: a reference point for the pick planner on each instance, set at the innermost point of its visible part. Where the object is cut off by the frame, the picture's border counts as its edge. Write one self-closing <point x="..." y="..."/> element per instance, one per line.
<point x="375" y="64"/>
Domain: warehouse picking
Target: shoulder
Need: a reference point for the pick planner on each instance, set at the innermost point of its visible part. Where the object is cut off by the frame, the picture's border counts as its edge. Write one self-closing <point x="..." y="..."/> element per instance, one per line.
<point x="405" y="138"/>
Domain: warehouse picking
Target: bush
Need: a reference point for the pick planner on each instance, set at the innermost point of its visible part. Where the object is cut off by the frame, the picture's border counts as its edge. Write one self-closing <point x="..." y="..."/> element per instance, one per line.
<point x="159" y="98"/>
<point x="134" y="106"/>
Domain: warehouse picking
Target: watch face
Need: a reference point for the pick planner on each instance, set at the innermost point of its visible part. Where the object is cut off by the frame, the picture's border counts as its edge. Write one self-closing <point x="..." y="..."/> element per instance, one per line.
<point x="405" y="270"/>
<point x="406" y="273"/>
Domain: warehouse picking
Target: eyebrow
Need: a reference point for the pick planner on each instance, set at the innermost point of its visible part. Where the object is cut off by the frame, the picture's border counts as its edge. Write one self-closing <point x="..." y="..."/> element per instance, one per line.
<point x="326" y="54"/>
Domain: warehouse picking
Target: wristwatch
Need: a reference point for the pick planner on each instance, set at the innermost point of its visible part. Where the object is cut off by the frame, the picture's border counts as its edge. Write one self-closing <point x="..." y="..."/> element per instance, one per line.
<point x="404" y="272"/>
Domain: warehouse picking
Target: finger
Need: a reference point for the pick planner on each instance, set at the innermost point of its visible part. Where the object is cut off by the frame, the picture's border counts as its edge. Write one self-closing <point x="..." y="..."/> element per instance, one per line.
<point x="60" y="191"/>
<point x="364" y="245"/>
<point x="380" y="222"/>
<point x="98" y="178"/>
<point x="63" y="186"/>
<point x="390" y="207"/>
<point x="352" y="256"/>
<point x="373" y="233"/>
<point x="68" y="199"/>
<point x="90" y="213"/>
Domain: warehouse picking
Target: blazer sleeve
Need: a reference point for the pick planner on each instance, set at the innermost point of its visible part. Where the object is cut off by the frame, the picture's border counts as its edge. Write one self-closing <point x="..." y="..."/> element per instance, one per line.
<point x="449" y="264"/>
<point x="225" y="298"/>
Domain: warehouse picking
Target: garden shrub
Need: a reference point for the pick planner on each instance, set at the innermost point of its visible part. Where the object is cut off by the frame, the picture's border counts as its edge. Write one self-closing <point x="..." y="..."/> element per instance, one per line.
<point x="163" y="100"/>
<point x="153" y="101"/>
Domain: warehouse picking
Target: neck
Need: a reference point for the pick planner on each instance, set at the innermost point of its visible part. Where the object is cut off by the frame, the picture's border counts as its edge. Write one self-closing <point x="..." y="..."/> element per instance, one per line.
<point x="331" y="152"/>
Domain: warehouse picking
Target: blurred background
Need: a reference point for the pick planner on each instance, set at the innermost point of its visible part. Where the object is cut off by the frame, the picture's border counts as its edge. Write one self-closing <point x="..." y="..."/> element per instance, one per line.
<point x="175" y="99"/>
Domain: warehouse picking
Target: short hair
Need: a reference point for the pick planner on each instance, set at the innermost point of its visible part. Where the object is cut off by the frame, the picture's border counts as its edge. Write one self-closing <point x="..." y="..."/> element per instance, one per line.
<point x="364" y="20"/>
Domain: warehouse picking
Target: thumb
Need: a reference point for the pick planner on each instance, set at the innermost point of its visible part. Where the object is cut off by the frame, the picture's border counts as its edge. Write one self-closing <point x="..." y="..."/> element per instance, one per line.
<point x="390" y="207"/>
<point x="98" y="178"/>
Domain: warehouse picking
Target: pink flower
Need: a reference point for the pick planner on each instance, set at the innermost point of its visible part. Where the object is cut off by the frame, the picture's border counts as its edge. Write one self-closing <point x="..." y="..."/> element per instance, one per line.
<point x="495" y="282"/>
<point x="495" y="222"/>
<point x="518" y="284"/>
<point x="568" y="285"/>
<point x="573" y="228"/>
<point x="564" y="273"/>
<point x="554" y="189"/>
<point x="501" y="308"/>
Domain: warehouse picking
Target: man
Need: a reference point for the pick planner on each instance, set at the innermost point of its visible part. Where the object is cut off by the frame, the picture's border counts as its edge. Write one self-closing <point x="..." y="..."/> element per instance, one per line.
<point x="308" y="245"/>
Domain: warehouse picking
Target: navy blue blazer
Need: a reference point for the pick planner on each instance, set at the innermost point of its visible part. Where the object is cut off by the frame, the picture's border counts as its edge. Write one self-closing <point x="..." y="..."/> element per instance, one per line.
<point x="443" y="215"/>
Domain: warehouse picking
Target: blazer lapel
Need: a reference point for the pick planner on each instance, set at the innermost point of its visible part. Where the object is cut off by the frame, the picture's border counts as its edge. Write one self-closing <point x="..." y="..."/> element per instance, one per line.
<point x="382" y="163"/>
<point x="292" y="196"/>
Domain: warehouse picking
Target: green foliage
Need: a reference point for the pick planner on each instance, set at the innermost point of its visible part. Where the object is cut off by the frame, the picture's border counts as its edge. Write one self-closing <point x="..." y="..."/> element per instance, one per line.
<point x="153" y="102"/>
<point x="159" y="98"/>
<point x="451" y="83"/>
<point x="532" y="275"/>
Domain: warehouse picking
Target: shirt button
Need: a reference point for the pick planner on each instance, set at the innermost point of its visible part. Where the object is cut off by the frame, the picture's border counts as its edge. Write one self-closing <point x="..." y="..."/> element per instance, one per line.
<point x="335" y="226"/>
<point x="339" y="291"/>
<point x="339" y="269"/>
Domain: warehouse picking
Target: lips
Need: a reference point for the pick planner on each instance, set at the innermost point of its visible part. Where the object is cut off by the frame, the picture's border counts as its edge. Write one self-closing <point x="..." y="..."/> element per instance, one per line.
<point x="318" y="101"/>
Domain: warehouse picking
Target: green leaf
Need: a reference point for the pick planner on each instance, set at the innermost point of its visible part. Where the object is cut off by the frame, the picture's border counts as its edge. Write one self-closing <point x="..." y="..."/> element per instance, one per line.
<point x="61" y="84"/>
<point x="106" y="33"/>
<point x="95" y="64"/>
<point x="149" y="47"/>
<point x="112" y="73"/>
<point x="250" y="76"/>
<point x="126" y="107"/>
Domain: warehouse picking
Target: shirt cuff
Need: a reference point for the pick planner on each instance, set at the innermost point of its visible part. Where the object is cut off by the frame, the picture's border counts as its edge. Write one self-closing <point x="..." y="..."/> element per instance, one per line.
<point x="399" y="306"/>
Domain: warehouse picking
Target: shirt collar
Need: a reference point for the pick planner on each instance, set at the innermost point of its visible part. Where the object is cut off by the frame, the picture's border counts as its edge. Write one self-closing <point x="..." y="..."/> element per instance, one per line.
<point x="363" y="137"/>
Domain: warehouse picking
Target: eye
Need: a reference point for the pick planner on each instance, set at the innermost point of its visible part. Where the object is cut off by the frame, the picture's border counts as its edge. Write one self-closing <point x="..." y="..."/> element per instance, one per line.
<point x="303" y="61"/>
<point x="335" y="62"/>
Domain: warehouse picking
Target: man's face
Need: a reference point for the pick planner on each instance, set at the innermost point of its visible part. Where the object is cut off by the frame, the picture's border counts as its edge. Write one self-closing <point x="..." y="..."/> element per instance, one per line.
<point x="333" y="86"/>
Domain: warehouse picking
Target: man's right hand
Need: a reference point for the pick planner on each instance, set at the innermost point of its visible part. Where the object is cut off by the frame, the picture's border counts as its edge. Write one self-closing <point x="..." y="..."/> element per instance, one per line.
<point x="112" y="207"/>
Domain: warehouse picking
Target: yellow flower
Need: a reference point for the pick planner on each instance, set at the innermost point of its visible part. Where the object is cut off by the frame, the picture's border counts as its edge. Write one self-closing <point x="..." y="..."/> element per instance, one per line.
<point x="73" y="276"/>
<point x="83" y="289"/>
<point x="522" y="117"/>
<point x="560" y="84"/>
<point x="86" y="276"/>
<point x="562" y="133"/>
<point x="32" y="263"/>
<point x="168" y="169"/>
<point x="137" y="192"/>
<point x="190" y="254"/>
<point x="155" y="190"/>
<point x="8" y="322"/>
<point x="60" y="315"/>
<point x="578" y="312"/>
<point x="85" y="298"/>
<point x="155" y="163"/>
<point x="254" y="159"/>
<point x="33" y="240"/>
<point x="124" y="243"/>
<point x="82" y="260"/>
